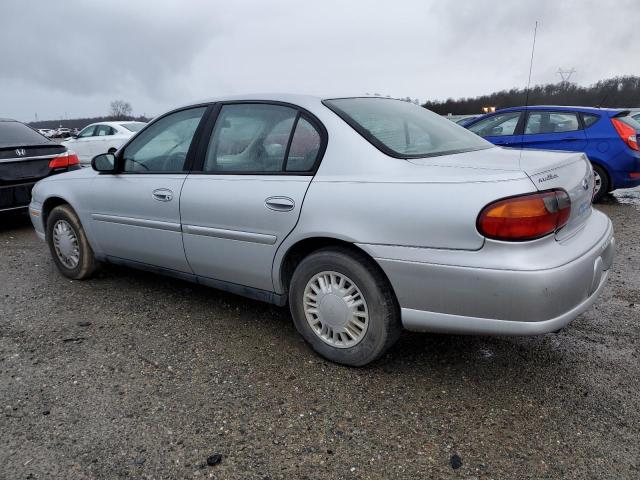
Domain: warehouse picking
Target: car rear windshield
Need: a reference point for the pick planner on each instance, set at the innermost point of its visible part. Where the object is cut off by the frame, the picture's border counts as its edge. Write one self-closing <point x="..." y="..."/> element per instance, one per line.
<point x="133" y="127"/>
<point x="16" y="134"/>
<point x="629" y="120"/>
<point x="404" y="130"/>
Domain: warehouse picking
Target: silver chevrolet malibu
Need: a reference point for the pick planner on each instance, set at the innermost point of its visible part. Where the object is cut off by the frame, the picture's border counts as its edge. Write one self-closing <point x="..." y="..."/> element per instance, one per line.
<point x="365" y="215"/>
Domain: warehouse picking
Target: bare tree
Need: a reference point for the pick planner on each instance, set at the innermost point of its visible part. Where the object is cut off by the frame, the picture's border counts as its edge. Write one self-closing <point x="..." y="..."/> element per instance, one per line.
<point x="120" y="110"/>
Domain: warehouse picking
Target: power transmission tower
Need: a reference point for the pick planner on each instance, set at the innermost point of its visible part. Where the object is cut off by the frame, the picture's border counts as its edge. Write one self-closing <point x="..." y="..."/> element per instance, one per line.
<point x="566" y="74"/>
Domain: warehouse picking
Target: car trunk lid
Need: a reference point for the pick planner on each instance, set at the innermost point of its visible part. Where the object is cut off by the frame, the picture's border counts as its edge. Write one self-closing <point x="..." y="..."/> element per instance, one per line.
<point x="569" y="171"/>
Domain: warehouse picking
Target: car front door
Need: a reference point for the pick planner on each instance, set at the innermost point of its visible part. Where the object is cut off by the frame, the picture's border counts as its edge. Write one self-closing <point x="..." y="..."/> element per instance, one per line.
<point x="82" y="144"/>
<point x="254" y="172"/>
<point x="549" y="130"/>
<point x="500" y="128"/>
<point x="136" y="212"/>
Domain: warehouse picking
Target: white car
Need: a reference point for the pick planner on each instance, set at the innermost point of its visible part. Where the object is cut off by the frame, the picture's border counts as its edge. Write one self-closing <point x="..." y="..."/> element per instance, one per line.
<point x="103" y="137"/>
<point x="45" y="131"/>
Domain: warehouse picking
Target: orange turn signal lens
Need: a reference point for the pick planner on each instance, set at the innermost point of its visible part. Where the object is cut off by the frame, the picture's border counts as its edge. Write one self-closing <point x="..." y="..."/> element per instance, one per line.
<point x="525" y="217"/>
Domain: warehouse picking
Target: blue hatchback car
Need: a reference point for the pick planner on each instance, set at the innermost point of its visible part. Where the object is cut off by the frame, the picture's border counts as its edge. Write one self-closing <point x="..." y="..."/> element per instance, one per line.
<point x="607" y="136"/>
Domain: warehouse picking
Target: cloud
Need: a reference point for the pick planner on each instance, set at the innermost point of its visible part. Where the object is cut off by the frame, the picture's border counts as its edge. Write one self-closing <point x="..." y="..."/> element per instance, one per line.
<point x="76" y="55"/>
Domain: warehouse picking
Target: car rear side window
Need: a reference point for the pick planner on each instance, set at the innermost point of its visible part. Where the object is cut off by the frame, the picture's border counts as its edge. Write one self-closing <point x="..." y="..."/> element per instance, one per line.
<point x="250" y="138"/>
<point x="551" y="122"/>
<point x="403" y="130"/>
<point x="497" y="125"/>
<point x="589" y="119"/>
<point x="16" y="134"/>
<point x="163" y="146"/>
<point x="305" y="147"/>
<point x="102" y="130"/>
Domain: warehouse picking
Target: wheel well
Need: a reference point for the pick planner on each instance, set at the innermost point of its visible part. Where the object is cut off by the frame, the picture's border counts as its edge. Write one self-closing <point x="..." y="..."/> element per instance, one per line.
<point x="50" y="204"/>
<point x="305" y="247"/>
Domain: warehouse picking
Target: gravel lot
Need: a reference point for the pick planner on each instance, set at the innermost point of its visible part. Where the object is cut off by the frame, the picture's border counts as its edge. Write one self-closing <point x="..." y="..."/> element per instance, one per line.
<point x="140" y="376"/>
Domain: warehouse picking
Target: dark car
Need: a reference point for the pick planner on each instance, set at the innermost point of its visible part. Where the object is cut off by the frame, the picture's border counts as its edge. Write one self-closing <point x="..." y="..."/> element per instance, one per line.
<point x="607" y="136"/>
<point x="26" y="156"/>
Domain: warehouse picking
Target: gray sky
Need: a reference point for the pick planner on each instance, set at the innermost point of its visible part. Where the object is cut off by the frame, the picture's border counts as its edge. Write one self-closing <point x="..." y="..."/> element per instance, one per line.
<point x="71" y="58"/>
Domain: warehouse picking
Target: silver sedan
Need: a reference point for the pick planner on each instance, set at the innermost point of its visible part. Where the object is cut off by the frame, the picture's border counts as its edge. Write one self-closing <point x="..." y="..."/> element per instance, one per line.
<point x="365" y="215"/>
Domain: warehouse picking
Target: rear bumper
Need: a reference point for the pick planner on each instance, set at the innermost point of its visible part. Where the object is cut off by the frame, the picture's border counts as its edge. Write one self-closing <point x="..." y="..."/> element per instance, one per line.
<point x="501" y="289"/>
<point x="15" y="196"/>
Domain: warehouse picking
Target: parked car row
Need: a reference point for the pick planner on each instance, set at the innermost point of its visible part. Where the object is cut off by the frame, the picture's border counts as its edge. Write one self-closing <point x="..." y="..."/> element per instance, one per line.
<point x="365" y="215"/>
<point x="100" y="138"/>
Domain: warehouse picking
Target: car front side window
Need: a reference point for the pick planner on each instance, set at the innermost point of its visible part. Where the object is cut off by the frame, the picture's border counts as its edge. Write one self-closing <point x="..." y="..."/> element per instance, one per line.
<point x="87" y="132"/>
<point x="163" y="146"/>
<point x="497" y="125"/>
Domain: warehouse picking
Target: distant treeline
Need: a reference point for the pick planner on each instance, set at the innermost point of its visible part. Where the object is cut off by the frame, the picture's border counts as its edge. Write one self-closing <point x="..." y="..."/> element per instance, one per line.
<point x="81" y="122"/>
<point x="612" y="92"/>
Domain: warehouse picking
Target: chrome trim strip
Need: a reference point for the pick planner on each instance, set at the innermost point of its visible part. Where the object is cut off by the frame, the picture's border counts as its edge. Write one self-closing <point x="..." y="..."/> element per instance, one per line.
<point x="8" y="209"/>
<point x="137" y="222"/>
<point x="39" y="157"/>
<point x="230" y="234"/>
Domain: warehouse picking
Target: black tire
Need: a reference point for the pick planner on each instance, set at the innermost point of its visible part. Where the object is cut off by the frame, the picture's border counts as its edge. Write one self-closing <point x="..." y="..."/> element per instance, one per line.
<point x="384" y="314"/>
<point x="86" y="264"/>
<point x="605" y="186"/>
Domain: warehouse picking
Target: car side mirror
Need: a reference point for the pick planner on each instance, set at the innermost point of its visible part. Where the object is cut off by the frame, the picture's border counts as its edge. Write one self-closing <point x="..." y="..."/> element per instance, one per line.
<point x="496" y="130"/>
<point x="104" y="163"/>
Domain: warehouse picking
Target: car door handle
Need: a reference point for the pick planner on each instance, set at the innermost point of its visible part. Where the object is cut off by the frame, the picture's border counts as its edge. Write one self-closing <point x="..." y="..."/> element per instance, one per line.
<point x="279" y="204"/>
<point x="162" y="194"/>
<point x="572" y="139"/>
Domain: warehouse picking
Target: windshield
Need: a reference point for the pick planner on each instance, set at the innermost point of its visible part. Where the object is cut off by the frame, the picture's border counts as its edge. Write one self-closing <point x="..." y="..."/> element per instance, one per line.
<point x="404" y="130"/>
<point x="133" y="126"/>
<point x="16" y="134"/>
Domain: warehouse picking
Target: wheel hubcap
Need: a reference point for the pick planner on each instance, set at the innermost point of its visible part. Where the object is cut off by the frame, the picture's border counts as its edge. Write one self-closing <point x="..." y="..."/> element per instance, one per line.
<point x="336" y="309"/>
<point x="65" y="244"/>
<point x="598" y="182"/>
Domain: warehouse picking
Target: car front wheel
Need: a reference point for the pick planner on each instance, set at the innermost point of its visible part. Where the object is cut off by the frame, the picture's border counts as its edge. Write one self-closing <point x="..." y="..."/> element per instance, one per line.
<point x="343" y="306"/>
<point x="68" y="244"/>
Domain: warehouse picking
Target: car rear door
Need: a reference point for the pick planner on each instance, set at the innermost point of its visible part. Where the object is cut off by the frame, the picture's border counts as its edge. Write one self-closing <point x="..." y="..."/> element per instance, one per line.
<point x="135" y="213"/>
<point x="502" y="128"/>
<point x="255" y="167"/>
<point x="554" y="130"/>
<point x="102" y="137"/>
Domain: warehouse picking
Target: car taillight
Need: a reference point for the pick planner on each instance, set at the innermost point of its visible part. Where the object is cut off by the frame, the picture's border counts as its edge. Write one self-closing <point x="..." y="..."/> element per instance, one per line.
<point x="525" y="217"/>
<point x="627" y="133"/>
<point x="65" y="160"/>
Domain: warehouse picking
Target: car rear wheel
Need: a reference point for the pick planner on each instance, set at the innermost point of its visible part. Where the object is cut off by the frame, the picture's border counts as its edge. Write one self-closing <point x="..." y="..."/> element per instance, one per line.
<point x="68" y="244"/>
<point x="601" y="180"/>
<point x="344" y="307"/>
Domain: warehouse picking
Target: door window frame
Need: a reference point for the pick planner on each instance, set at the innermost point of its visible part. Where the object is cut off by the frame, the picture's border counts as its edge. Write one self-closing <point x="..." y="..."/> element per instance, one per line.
<point x="193" y="147"/>
<point x="212" y="117"/>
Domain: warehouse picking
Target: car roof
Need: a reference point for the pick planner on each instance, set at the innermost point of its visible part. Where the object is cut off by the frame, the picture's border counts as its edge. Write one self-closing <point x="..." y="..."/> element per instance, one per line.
<point x="302" y="100"/>
<point x="7" y="120"/>
<point x="566" y="108"/>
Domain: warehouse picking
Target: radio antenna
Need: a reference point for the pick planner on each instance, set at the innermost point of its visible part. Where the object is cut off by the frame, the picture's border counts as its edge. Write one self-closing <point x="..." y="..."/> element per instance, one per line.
<point x="526" y="102"/>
